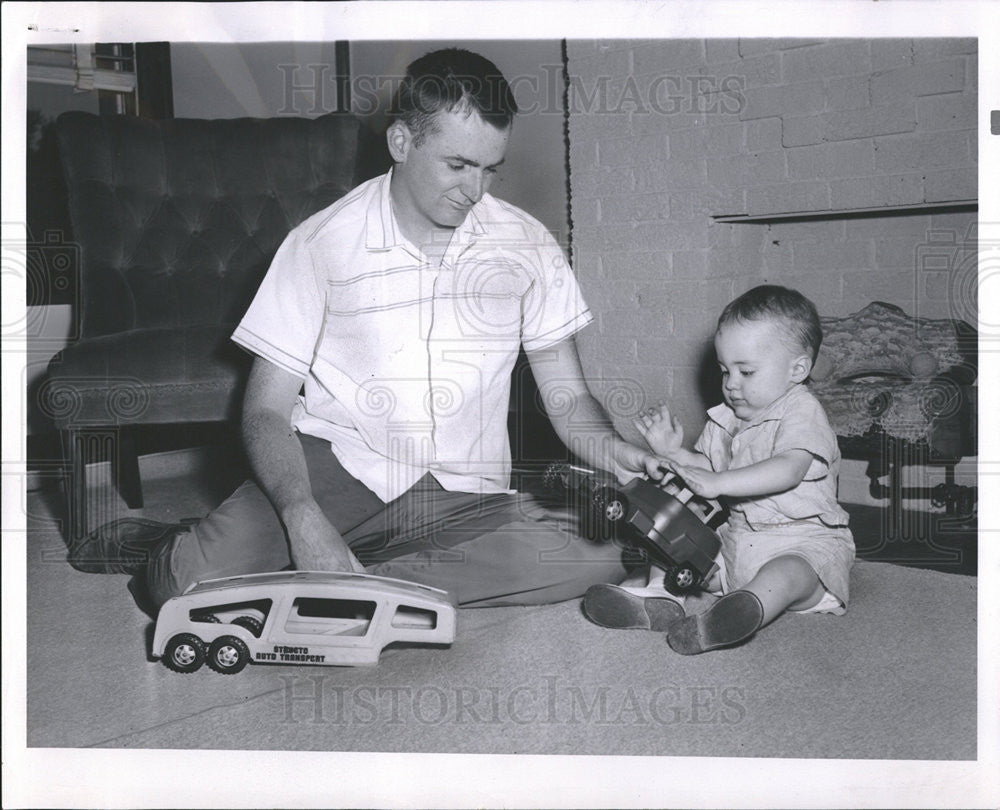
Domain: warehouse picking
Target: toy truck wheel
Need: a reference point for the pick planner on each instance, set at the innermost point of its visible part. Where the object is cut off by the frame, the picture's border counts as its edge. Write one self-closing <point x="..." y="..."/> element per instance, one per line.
<point x="251" y="623"/>
<point x="610" y="505"/>
<point x="607" y="507"/>
<point x="184" y="653"/>
<point x="228" y="655"/>
<point x="681" y="578"/>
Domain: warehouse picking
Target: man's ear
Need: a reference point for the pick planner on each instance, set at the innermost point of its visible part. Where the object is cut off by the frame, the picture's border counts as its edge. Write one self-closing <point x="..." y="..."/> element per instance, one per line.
<point x="801" y="366"/>
<point x="400" y="140"/>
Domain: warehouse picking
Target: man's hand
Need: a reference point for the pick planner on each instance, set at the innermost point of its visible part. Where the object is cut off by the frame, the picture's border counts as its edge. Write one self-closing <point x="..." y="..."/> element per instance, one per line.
<point x="631" y="461"/>
<point x="662" y="432"/>
<point x="314" y="542"/>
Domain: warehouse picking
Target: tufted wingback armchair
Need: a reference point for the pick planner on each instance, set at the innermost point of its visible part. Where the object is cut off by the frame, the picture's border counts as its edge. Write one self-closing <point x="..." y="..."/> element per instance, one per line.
<point x="176" y="222"/>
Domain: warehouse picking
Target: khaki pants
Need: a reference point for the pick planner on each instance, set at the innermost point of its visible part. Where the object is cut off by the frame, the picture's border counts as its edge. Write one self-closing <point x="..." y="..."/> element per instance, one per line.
<point x="486" y="550"/>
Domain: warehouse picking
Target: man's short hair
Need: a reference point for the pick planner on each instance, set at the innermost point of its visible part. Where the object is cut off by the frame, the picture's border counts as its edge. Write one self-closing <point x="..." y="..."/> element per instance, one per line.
<point x="448" y="80"/>
<point x="790" y="309"/>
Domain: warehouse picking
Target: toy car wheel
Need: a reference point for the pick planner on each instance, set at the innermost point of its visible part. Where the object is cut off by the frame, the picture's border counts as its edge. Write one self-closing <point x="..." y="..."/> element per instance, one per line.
<point x="683" y="577"/>
<point x="184" y="653"/>
<point x="610" y="505"/>
<point x="228" y="655"/>
<point x="251" y="623"/>
<point x="607" y="508"/>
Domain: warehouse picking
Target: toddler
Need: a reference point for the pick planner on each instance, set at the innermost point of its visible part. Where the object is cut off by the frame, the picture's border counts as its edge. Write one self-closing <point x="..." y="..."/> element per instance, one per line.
<point x="768" y="451"/>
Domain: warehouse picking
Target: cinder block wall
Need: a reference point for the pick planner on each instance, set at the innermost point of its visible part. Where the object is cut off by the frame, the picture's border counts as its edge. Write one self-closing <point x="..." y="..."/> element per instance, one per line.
<point x="665" y="134"/>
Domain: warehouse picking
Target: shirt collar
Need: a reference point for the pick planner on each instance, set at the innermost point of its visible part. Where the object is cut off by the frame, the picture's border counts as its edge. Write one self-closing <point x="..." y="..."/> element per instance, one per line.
<point x="382" y="232"/>
<point x="725" y="418"/>
<point x="380" y="225"/>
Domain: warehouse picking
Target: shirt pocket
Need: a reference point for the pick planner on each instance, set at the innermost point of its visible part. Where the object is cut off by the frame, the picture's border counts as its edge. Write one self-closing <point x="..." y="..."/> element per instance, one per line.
<point x="485" y="297"/>
<point x="372" y="293"/>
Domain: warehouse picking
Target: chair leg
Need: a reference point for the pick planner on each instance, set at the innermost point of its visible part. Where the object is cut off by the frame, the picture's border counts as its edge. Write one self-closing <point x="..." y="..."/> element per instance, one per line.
<point x="895" y="460"/>
<point x="125" y="469"/>
<point x="74" y="449"/>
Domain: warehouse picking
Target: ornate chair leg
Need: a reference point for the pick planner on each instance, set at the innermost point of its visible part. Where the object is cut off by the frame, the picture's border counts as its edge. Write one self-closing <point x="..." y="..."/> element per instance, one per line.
<point x="74" y="449"/>
<point x="895" y="508"/>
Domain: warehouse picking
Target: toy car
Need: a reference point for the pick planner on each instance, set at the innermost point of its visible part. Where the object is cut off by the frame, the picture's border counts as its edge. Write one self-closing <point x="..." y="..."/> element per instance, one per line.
<point x="675" y="527"/>
<point x="298" y="617"/>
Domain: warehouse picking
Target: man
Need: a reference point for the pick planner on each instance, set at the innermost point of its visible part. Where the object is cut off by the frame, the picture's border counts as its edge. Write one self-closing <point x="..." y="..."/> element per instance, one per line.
<point x="399" y="312"/>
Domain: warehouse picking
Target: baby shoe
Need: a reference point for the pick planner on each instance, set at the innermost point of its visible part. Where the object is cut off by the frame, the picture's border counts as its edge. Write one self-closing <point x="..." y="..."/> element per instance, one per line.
<point x="734" y="618"/>
<point x="614" y="606"/>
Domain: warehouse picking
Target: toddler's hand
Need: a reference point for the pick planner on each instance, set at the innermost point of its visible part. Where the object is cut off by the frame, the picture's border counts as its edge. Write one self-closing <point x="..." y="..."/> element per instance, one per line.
<point x="701" y="482"/>
<point x="662" y="433"/>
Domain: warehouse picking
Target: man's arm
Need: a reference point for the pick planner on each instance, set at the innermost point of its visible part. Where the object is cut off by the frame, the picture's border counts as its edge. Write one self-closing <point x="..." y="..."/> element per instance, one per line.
<point x="578" y="418"/>
<point x="280" y="468"/>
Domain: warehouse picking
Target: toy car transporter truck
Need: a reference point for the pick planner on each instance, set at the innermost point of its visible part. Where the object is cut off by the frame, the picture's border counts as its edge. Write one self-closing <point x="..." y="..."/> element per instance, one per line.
<point x="298" y="617"/>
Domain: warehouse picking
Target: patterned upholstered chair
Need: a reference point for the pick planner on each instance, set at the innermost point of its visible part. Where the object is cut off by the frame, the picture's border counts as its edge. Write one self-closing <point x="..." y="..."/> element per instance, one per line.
<point x="176" y="222"/>
<point x="900" y="390"/>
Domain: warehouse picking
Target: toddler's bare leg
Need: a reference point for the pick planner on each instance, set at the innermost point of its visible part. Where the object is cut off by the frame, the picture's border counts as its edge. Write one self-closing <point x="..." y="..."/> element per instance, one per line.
<point x="648" y="584"/>
<point x="783" y="583"/>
